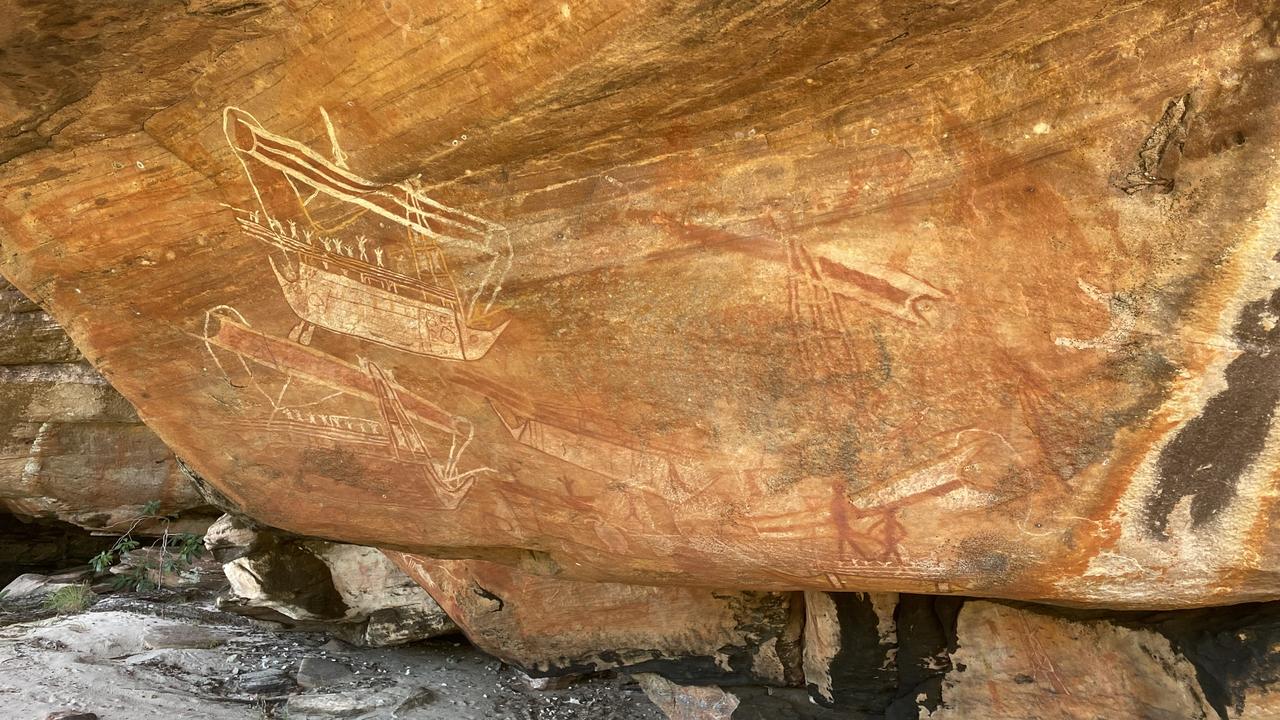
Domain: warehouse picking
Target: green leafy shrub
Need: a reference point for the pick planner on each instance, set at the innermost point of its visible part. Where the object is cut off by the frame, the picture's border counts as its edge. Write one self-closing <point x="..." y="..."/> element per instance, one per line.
<point x="177" y="551"/>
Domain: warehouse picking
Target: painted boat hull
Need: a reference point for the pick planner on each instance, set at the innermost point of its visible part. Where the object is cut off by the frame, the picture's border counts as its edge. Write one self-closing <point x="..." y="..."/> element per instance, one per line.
<point x="344" y="305"/>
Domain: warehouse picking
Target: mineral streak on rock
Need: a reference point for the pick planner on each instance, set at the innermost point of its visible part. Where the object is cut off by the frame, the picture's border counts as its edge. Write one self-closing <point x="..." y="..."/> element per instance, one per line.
<point x="895" y="297"/>
<point x="1205" y="459"/>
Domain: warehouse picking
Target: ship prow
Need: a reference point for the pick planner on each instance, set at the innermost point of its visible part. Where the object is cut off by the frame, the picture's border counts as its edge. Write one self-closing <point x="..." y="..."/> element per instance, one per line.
<point x="478" y="340"/>
<point x="515" y="423"/>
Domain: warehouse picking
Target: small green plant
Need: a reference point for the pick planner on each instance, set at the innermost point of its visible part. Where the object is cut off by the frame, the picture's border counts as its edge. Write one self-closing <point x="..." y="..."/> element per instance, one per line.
<point x="177" y="552"/>
<point x="70" y="599"/>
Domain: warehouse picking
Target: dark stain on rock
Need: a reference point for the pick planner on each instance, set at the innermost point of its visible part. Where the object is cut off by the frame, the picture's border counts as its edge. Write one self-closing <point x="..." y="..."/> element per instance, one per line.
<point x="1234" y="649"/>
<point x="1159" y="152"/>
<point x="1140" y="367"/>
<point x="863" y="678"/>
<point x="208" y="492"/>
<point x="926" y="629"/>
<point x="1210" y="453"/>
<point x="987" y="560"/>
<point x="297" y="576"/>
<point x="490" y="596"/>
<point x="891" y="680"/>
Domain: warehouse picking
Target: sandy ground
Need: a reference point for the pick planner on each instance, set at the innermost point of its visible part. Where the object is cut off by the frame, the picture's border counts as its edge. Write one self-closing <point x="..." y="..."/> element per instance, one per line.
<point x="134" y="658"/>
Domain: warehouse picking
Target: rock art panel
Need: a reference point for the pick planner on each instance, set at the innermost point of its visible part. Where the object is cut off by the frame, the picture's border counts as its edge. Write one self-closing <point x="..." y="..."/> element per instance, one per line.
<point x="961" y="300"/>
<point x="344" y="265"/>
<point x="317" y="403"/>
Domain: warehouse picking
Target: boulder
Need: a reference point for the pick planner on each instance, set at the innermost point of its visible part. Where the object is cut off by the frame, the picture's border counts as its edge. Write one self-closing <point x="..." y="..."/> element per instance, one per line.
<point x="336" y="705"/>
<point x="182" y="637"/>
<point x="901" y="297"/>
<point x="36" y="585"/>
<point x="271" y="681"/>
<point x="1019" y="664"/>
<point x="681" y="702"/>
<point x="550" y="628"/>
<point x="232" y="537"/>
<point x="355" y="592"/>
<point x="320" y="672"/>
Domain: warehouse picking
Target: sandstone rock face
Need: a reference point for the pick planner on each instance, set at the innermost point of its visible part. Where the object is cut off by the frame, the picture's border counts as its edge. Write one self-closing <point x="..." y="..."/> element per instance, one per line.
<point x="71" y="448"/>
<point x="870" y="654"/>
<point x="899" y="296"/>
<point x="1018" y="664"/>
<point x="909" y="656"/>
<point x="354" y="592"/>
<point x="550" y="627"/>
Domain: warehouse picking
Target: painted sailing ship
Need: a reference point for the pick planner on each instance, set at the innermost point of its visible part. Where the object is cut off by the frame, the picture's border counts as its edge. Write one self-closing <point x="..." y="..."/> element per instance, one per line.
<point x="591" y="444"/>
<point x="332" y="407"/>
<point x="368" y="260"/>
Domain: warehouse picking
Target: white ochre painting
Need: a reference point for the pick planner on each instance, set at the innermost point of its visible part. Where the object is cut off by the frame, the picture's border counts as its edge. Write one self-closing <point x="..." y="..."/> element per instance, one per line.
<point x="373" y="261"/>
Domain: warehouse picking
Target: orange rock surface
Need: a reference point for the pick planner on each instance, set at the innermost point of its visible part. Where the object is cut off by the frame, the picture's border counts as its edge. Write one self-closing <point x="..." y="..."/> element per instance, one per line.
<point x="929" y="297"/>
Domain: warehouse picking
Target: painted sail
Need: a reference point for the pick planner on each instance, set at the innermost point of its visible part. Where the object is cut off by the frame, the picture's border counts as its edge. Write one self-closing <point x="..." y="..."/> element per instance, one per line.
<point x="369" y="260"/>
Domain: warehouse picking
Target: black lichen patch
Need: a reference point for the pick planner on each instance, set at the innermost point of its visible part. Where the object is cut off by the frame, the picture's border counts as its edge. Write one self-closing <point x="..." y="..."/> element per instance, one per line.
<point x="1206" y="458"/>
<point x="926" y="638"/>
<point x="1233" y="649"/>
<point x="891" y="680"/>
<point x="863" y="678"/>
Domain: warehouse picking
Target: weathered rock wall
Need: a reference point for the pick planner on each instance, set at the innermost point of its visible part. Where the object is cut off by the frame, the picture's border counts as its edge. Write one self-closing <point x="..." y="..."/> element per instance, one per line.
<point x="906" y="296"/>
<point x="550" y="627"/>
<point x="881" y="655"/>
<point x="759" y="655"/>
<point x="71" y="448"/>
